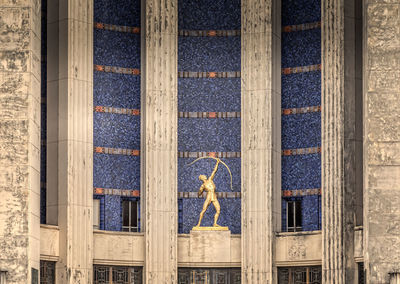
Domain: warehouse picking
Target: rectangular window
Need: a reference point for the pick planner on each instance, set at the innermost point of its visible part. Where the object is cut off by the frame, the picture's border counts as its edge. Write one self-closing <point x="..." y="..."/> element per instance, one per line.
<point x="130" y="216"/>
<point x="293" y="218"/>
<point x="117" y="274"/>
<point x="96" y="214"/>
<point x="300" y="275"/>
<point x="47" y="272"/>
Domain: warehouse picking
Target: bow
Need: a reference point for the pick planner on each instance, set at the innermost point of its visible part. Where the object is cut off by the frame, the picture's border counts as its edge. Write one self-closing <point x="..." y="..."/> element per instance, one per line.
<point x="209" y="157"/>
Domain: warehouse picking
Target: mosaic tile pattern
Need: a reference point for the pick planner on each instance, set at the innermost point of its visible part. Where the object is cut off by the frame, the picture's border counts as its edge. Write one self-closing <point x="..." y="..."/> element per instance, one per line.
<point x="208" y="53"/>
<point x="301" y="48"/>
<point x="301" y="130"/>
<point x="116" y="90"/>
<point x="209" y="105"/>
<point x="116" y="127"/>
<point x="295" y="12"/>
<point x="230" y="214"/>
<point x="112" y="212"/>
<point x="208" y="134"/>
<point x="116" y="171"/>
<point x="301" y="90"/>
<point x="301" y="108"/>
<point x="229" y="194"/>
<point x="301" y="171"/>
<point x="117" y="12"/>
<point x="116" y="49"/>
<point x="117" y="131"/>
<point x="208" y="94"/>
<point x="209" y="14"/>
<point x="188" y="176"/>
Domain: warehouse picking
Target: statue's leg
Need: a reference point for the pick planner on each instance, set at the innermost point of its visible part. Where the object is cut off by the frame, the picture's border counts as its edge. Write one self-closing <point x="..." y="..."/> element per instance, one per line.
<point x="205" y="206"/>
<point x="218" y="210"/>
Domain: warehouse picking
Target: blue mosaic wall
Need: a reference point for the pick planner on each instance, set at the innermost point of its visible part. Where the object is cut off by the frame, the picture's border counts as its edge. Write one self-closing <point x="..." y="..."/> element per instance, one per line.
<point x="208" y="53"/>
<point x="116" y="98"/>
<point x="301" y="46"/>
<point x="43" y="114"/>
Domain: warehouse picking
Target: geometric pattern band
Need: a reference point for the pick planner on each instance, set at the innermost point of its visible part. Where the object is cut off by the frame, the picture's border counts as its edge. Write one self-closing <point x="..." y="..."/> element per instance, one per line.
<point x="190" y="74"/>
<point x="202" y="33"/>
<point x="187" y="114"/>
<point x="116" y="28"/>
<point x="116" y="110"/>
<point x="228" y="194"/>
<point x="116" y="69"/>
<point x="301" y="151"/>
<point x="300" y="110"/>
<point x="209" y="154"/>
<point x="301" y="192"/>
<point x="301" y="69"/>
<point x="113" y="191"/>
<point x="116" y="151"/>
<point x="301" y="27"/>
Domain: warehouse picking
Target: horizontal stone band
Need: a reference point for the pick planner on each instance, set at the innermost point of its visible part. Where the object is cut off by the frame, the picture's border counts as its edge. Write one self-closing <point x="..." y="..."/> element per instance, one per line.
<point x="116" y="110"/>
<point x="301" y="192"/>
<point x="209" y="154"/>
<point x="301" y="27"/>
<point x="116" y="28"/>
<point x="112" y="191"/>
<point x="190" y="74"/>
<point x="200" y="33"/>
<point x="301" y="151"/>
<point x="301" y="69"/>
<point x="288" y="111"/>
<point x="116" y="151"/>
<point x="186" y="114"/>
<point x="115" y="69"/>
<point x="228" y="194"/>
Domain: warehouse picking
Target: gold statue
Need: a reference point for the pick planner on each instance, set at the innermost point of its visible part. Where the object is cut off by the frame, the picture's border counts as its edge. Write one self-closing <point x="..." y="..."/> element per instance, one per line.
<point x="209" y="186"/>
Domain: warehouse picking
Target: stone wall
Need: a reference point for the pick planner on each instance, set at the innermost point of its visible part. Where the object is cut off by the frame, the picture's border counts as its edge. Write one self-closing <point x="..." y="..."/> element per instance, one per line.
<point x="19" y="138"/>
<point x="382" y="139"/>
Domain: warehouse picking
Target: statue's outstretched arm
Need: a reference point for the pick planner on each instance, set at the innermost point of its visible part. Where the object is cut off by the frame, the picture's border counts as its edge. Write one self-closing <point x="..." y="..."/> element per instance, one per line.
<point x="215" y="170"/>
<point x="201" y="189"/>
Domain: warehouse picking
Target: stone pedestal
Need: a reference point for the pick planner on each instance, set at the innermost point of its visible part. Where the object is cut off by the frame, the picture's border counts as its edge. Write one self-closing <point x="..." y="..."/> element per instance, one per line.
<point x="210" y="246"/>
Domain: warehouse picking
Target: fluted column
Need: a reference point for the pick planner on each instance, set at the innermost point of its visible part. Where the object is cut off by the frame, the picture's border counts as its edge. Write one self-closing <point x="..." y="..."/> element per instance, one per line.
<point x="20" y="140"/>
<point x="260" y="137"/>
<point x="160" y="153"/>
<point x="75" y="146"/>
<point x="395" y="278"/>
<point x="382" y="140"/>
<point x="338" y="96"/>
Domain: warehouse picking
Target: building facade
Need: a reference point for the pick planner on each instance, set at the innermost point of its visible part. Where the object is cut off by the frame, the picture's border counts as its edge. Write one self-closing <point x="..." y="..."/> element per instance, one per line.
<point x="106" y="103"/>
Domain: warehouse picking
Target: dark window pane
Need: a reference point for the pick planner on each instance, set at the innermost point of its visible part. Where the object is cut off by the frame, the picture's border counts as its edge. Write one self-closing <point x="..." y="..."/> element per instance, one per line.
<point x="298" y="214"/>
<point x="290" y="217"/>
<point x="125" y="213"/>
<point x="133" y="214"/>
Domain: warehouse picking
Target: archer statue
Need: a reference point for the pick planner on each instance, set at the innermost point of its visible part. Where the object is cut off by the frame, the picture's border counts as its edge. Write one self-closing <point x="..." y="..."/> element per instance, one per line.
<point x="209" y="187"/>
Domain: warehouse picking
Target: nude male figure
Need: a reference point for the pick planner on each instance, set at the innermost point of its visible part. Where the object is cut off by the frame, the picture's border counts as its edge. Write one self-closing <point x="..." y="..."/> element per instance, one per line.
<point x="209" y="186"/>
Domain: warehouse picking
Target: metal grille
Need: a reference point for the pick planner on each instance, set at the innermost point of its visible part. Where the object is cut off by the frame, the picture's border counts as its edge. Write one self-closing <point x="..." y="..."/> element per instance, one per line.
<point x="117" y="275"/>
<point x="300" y="275"/>
<point x="209" y="276"/>
<point x="47" y="272"/>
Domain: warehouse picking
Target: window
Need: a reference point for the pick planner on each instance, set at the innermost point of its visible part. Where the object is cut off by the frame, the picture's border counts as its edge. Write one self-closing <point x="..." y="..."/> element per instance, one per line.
<point x="361" y="273"/>
<point x="117" y="275"/>
<point x="47" y="272"/>
<point x="96" y="214"/>
<point x="209" y="275"/>
<point x="130" y="216"/>
<point x="293" y="216"/>
<point x="300" y="275"/>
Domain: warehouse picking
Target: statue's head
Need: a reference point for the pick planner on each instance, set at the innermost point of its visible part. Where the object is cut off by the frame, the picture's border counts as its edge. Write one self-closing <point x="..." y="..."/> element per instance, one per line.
<point x="202" y="178"/>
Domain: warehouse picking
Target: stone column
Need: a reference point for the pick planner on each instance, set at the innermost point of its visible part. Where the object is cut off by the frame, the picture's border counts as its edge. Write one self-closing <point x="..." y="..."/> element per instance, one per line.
<point x="395" y="278"/>
<point x="260" y="138"/>
<point x="338" y="135"/>
<point x="160" y="153"/>
<point x="75" y="146"/>
<point x="381" y="139"/>
<point x="20" y="139"/>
